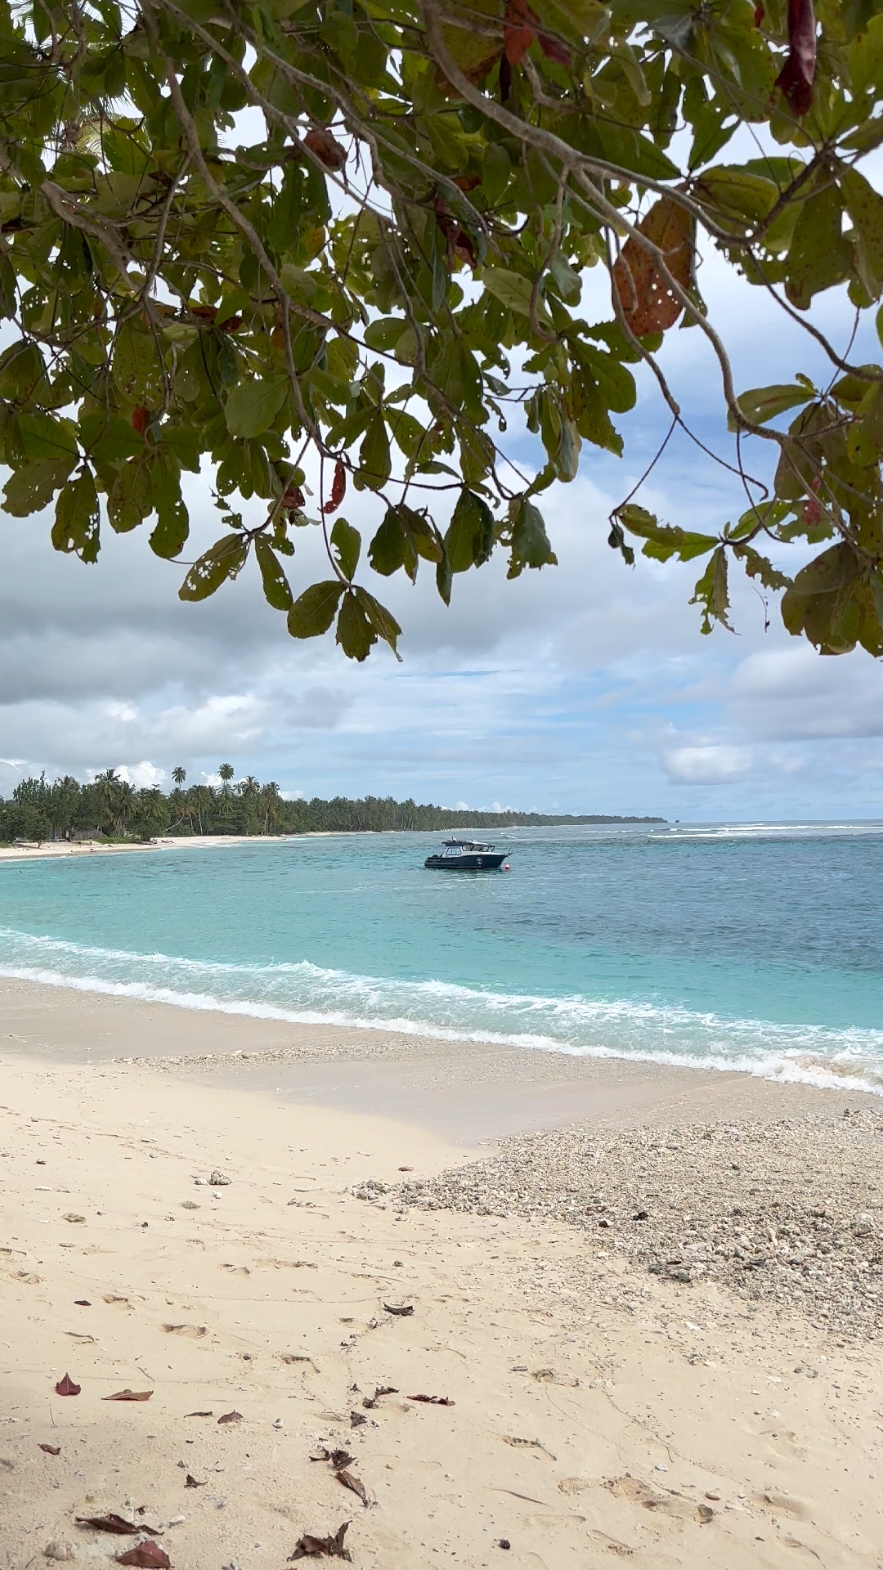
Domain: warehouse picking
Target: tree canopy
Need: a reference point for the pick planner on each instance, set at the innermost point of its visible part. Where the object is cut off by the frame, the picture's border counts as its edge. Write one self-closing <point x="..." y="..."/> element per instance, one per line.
<point x="111" y="807"/>
<point x="312" y="247"/>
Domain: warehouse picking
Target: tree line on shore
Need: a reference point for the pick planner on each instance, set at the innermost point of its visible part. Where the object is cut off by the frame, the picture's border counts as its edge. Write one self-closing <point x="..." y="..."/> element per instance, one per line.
<point x="110" y="807"/>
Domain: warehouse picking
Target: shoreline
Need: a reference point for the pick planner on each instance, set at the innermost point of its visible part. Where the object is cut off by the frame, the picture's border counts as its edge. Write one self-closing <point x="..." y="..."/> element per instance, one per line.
<point x="469" y="1091"/>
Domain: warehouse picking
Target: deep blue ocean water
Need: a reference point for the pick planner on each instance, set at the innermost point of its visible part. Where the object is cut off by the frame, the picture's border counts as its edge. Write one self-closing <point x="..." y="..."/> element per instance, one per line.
<point x="757" y="947"/>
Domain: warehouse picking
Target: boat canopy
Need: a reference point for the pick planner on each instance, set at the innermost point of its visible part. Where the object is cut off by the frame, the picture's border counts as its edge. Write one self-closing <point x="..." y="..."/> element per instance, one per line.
<point x="467" y="845"/>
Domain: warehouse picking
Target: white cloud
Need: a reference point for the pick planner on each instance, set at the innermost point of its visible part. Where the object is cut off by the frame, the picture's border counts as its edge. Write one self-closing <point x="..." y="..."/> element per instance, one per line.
<point x="707" y="765"/>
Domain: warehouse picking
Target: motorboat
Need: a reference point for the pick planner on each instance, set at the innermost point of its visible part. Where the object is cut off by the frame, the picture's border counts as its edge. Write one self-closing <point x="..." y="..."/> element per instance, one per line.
<point x="467" y="856"/>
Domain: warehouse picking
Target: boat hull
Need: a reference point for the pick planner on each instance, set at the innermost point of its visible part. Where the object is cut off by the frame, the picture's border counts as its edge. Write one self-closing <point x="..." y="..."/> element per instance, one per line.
<point x="483" y="861"/>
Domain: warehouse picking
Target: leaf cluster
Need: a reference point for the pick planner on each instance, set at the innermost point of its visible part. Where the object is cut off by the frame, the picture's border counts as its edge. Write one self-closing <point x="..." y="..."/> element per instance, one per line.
<point x="388" y="267"/>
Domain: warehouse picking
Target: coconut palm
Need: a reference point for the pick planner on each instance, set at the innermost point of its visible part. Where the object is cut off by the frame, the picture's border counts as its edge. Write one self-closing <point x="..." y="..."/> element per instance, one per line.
<point x="179" y="775"/>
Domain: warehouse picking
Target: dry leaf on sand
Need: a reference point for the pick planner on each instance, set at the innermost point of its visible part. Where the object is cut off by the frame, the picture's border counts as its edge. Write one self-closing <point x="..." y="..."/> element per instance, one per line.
<point x="311" y="1547"/>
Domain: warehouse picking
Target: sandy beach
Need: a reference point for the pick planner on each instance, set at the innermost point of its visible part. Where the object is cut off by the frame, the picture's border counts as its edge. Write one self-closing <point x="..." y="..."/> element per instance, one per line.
<point x="404" y="1218"/>
<point x="32" y="850"/>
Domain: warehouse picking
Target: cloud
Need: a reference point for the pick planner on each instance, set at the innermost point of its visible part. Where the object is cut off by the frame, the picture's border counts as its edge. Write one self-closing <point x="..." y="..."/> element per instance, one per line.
<point x="707" y="765"/>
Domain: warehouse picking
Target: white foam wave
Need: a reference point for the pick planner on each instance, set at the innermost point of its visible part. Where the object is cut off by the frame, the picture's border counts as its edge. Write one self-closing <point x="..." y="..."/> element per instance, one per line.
<point x="304" y="993"/>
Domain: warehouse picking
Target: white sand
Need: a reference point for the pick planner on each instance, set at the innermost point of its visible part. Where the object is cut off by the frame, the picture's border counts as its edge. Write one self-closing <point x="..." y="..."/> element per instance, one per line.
<point x="599" y="1414"/>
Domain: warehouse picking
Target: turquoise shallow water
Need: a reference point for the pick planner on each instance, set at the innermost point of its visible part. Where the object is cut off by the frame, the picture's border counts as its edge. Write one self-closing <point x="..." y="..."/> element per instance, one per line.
<point x="755" y="947"/>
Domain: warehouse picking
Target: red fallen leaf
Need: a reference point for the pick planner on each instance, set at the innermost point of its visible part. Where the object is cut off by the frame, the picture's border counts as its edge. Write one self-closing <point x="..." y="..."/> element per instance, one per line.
<point x="518" y="33"/>
<point x="644" y="295"/>
<point x="113" y="1523"/>
<point x="798" y="74"/>
<point x="82" y="1302"/>
<point x="148" y="1554"/>
<point x="310" y="1547"/>
<point x="66" y="1387"/>
<point x="51" y="1450"/>
<point x="229" y="1417"/>
<point x="140" y="422"/>
<point x="432" y="1400"/>
<point x="129" y="1395"/>
<point x="338" y="489"/>
<point x="554" y="49"/>
<point x="326" y="148"/>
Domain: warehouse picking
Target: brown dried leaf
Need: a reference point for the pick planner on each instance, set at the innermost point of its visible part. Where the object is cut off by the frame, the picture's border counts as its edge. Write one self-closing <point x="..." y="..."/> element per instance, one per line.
<point x="338" y="1458"/>
<point x="200" y="1414"/>
<point x="399" y="1308"/>
<point x="149" y="1555"/>
<point x="112" y="1523"/>
<point x="432" y="1400"/>
<point x="647" y="302"/>
<point x="51" y="1450"/>
<point x="230" y="1417"/>
<point x="326" y="148"/>
<point x="191" y="1482"/>
<point x="129" y="1395"/>
<point x="66" y="1387"/>
<point x="353" y="1483"/>
<point x="311" y="1547"/>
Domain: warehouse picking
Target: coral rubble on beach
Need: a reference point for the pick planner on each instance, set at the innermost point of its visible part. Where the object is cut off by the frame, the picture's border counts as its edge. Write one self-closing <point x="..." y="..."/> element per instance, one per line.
<point x="789" y="1212"/>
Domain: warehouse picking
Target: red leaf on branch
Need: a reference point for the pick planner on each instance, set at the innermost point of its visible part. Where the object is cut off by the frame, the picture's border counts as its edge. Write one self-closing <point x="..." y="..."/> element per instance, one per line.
<point x="759" y="13"/>
<point x="458" y="243"/>
<point x="66" y="1387"/>
<point x="518" y="31"/>
<point x="554" y="49"/>
<point x="326" y="148"/>
<point x="338" y="489"/>
<point x="231" y="325"/>
<point x="799" y="71"/>
<point x="140" y="419"/>
<point x="644" y="294"/>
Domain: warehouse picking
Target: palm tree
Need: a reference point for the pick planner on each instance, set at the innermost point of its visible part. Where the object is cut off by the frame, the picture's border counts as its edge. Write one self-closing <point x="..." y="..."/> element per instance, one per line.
<point x="271" y="799"/>
<point x="179" y="775"/>
<point x="225" y="774"/>
<point x="106" y="784"/>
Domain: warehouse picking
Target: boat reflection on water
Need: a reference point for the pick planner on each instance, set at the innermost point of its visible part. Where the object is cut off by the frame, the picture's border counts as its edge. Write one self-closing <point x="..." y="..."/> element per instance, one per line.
<point x="468" y="856"/>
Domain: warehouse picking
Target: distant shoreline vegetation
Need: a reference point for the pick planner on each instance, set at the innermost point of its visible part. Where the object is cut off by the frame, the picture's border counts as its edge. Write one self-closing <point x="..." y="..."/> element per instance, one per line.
<point x="109" y="807"/>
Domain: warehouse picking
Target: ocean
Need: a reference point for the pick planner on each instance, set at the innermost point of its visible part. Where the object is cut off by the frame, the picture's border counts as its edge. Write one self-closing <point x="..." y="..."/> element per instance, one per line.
<point x="756" y="947"/>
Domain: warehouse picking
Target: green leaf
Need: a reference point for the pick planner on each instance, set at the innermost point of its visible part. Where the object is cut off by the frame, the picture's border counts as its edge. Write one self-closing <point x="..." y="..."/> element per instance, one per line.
<point x="107" y="438"/>
<point x="76" y="527"/>
<point x="513" y="291"/>
<point x="314" y="611"/>
<point x="819" y="256"/>
<point x="347" y="543"/>
<point x="382" y="620"/>
<point x="375" y="462"/>
<point x="137" y="366"/>
<point x="765" y="403"/>
<point x="172" y="522"/>
<point x="253" y="406"/>
<point x="470" y="537"/>
<point x="865" y="208"/>
<point x="224" y="560"/>
<point x="355" y="634"/>
<point x="131" y="496"/>
<point x="32" y="487"/>
<point x="712" y="592"/>
<point x="664" y="540"/>
<point x="530" y="545"/>
<point x="835" y="602"/>
<point x="277" y="591"/>
<point x="45" y="437"/>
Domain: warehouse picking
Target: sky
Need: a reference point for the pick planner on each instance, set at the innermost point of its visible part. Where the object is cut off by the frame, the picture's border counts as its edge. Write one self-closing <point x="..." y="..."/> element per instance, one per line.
<point x="581" y="688"/>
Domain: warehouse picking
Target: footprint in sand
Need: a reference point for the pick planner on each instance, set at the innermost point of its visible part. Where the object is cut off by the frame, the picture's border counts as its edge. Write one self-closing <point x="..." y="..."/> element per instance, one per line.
<point x="672" y="1504"/>
<point x="786" y="1506"/>
<point x="192" y="1332"/>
